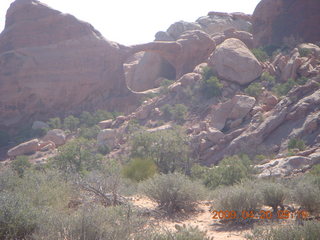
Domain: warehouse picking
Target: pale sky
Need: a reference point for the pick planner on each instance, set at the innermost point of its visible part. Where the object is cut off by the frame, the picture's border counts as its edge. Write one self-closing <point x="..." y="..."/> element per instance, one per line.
<point x="137" y="21"/>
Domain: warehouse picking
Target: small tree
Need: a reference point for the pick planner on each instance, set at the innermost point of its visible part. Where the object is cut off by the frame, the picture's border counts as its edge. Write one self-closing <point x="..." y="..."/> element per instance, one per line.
<point x="71" y="123"/>
<point x="77" y="156"/>
<point x="254" y="89"/>
<point x="273" y="194"/>
<point x="54" y="123"/>
<point x="260" y="54"/>
<point x="296" y="143"/>
<point x="167" y="148"/>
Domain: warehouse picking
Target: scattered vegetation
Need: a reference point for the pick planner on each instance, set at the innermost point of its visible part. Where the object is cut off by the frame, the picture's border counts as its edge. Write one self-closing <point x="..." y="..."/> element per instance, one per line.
<point x="254" y="89"/>
<point x="273" y="194"/>
<point x="20" y="165"/>
<point x="211" y="85"/>
<point x="176" y="112"/>
<point x="173" y="192"/>
<point x="284" y="88"/>
<point x="310" y="230"/>
<point x="182" y="233"/>
<point x="140" y="169"/>
<point x="296" y="143"/>
<point x="167" y="148"/>
<point x="260" y="54"/>
<point x="77" y="156"/>
<point x="305" y="52"/>
<point x="271" y="80"/>
<point x="230" y="170"/>
<point x="239" y="198"/>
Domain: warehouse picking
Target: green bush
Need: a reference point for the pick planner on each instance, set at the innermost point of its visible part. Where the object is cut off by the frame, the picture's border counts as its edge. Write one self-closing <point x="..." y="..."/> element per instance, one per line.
<point x="284" y="88"/>
<point x="103" y="149"/>
<point x="268" y="78"/>
<point x="305" y="52"/>
<point x="238" y="198"/>
<point x="20" y="165"/>
<point x="273" y="194"/>
<point x="167" y="148"/>
<point x="230" y="170"/>
<point x="212" y="87"/>
<point x="92" y="222"/>
<point x="301" y="81"/>
<point x="173" y="192"/>
<point x="176" y="112"/>
<point x="89" y="132"/>
<point x="77" y="156"/>
<point x="310" y="230"/>
<point x="71" y="123"/>
<point x="139" y="169"/>
<point x="260" y="54"/>
<point x="306" y="194"/>
<point x="18" y="217"/>
<point x="4" y="138"/>
<point x="296" y="143"/>
<point x="164" y="86"/>
<point x="54" y="123"/>
<point x="254" y="89"/>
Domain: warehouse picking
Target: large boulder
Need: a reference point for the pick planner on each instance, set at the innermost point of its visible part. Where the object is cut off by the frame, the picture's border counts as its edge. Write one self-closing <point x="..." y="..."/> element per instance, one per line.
<point x="275" y="20"/>
<point x="57" y="136"/>
<point x="233" y="61"/>
<point x="52" y="63"/>
<point x="234" y="109"/>
<point x="24" y="148"/>
<point x="107" y="137"/>
<point x="153" y="66"/>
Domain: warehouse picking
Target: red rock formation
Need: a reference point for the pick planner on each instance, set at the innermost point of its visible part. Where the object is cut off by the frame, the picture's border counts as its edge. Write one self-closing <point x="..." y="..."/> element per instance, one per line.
<point x="51" y="63"/>
<point x="273" y="20"/>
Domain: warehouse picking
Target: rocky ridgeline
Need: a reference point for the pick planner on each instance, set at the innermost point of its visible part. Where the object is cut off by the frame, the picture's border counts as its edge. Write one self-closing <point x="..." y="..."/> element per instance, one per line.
<point x="47" y="71"/>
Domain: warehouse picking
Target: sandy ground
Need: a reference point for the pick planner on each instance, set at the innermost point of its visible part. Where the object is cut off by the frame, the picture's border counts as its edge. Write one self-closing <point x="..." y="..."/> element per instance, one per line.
<point x="201" y="219"/>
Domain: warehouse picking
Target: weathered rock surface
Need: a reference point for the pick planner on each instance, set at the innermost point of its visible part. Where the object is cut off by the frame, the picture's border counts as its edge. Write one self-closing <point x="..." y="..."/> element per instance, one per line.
<point x="52" y="63"/>
<point x="107" y="137"/>
<point x="284" y="166"/>
<point x="233" y="61"/>
<point x="153" y="66"/>
<point x="274" y="20"/>
<point x="57" y="136"/>
<point x="236" y="108"/>
<point x="24" y="148"/>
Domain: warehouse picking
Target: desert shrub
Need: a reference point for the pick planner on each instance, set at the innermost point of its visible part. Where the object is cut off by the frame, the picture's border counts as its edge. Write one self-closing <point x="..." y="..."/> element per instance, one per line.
<point x="296" y="143"/>
<point x="24" y="201"/>
<point x="260" y="54"/>
<point x="284" y="88"/>
<point x="176" y="112"/>
<point x="302" y="80"/>
<point x="89" y="132"/>
<point x="54" y="123"/>
<point x="306" y="194"/>
<point x="315" y="170"/>
<point x="254" y="89"/>
<point x="77" y="156"/>
<point x="238" y="198"/>
<point x="259" y="158"/>
<point x="139" y="169"/>
<point x="4" y="138"/>
<point x="273" y="194"/>
<point x="212" y="87"/>
<point x="268" y="78"/>
<point x="103" y="149"/>
<point x="230" y="170"/>
<point x="164" y="86"/>
<point x="305" y="52"/>
<point x="173" y="192"/>
<point x="71" y="123"/>
<point x="89" y="120"/>
<point x="167" y="148"/>
<point x="20" y="164"/>
<point x="106" y="184"/>
<point x="18" y="217"/>
<point x="182" y="233"/>
<point x="310" y="230"/>
<point x="92" y="222"/>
